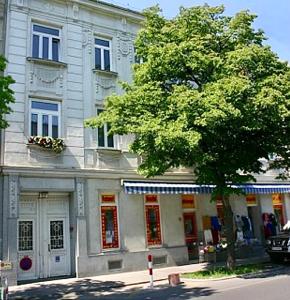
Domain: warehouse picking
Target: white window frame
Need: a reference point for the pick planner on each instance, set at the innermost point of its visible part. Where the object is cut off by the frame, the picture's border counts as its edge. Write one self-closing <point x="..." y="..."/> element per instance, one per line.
<point x="105" y="126"/>
<point x="50" y="37"/>
<point x="115" y="204"/>
<point x="40" y="113"/>
<point x="103" y="48"/>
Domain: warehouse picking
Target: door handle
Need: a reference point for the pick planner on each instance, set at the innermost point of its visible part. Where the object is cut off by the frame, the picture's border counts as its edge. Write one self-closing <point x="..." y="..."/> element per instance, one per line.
<point x="49" y="248"/>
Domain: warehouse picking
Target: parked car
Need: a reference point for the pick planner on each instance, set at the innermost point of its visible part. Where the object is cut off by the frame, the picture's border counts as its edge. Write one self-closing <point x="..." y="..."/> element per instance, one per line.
<point x="278" y="247"/>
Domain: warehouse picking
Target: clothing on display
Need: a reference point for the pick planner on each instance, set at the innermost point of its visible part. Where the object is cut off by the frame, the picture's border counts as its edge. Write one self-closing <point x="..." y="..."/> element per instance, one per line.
<point x="244" y="229"/>
<point x="270" y="224"/>
<point x="207" y="236"/>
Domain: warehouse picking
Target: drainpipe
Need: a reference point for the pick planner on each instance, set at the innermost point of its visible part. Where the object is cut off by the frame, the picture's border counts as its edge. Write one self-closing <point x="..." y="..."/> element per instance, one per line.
<point x="2" y="51"/>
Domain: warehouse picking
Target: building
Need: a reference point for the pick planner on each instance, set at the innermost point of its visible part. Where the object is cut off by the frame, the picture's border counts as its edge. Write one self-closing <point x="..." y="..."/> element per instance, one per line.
<point x="83" y="210"/>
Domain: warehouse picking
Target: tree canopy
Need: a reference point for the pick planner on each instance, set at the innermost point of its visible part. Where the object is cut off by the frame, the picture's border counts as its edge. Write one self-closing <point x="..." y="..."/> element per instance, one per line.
<point x="6" y="94"/>
<point x="208" y="95"/>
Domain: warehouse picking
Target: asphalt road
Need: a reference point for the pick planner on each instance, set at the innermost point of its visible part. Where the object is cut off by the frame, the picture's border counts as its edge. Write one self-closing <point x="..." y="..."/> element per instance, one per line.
<point x="274" y="285"/>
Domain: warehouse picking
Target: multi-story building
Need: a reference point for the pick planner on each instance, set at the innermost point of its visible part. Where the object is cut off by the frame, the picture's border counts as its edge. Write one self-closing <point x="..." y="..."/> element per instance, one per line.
<point x="84" y="210"/>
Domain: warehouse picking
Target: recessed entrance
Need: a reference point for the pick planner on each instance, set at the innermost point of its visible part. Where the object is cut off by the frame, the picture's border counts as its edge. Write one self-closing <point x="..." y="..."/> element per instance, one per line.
<point x="43" y="237"/>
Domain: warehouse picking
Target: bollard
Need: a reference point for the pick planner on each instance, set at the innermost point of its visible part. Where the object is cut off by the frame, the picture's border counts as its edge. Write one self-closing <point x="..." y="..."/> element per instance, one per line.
<point x="150" y="268"/>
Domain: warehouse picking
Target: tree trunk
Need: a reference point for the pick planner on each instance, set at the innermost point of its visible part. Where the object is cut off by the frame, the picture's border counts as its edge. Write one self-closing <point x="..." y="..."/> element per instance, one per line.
<point x="229" y="233"/>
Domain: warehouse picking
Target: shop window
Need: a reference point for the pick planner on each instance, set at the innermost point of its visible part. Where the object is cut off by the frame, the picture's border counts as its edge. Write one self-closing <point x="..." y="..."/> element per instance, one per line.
<point x="220" y="209"/>
<point x="109" y="216"/>
<point x="45" y="42"/>
<point x="152" y="214"/>
<point x="277" y="201"/>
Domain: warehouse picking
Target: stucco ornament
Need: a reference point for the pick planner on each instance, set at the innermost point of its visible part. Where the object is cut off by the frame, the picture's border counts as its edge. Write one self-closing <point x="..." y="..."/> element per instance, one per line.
<point x="13" y="196"/>
<point x="80" y="199"/>
<point x="125" y="46"/>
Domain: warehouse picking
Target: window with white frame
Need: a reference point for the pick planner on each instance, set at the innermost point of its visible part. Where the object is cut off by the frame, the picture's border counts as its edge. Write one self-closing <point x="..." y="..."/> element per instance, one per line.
<point x="102" y="54"/>
<point x="44" y="118"/>
<point x="45" y="42"/>
<point x="105" y="139"/>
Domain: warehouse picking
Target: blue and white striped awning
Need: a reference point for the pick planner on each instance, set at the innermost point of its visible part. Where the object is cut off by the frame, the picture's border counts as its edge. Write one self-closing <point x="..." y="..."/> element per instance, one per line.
<point x="143" y="187"/>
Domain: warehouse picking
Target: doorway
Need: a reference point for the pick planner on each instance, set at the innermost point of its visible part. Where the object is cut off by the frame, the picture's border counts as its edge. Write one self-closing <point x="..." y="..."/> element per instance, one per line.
<point x="43" y="236"/>
<point x="190" y="232"/>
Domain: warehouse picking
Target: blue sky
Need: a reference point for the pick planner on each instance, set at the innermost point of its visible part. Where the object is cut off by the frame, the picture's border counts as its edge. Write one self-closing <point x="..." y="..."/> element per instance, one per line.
<point x="273" y="16"/>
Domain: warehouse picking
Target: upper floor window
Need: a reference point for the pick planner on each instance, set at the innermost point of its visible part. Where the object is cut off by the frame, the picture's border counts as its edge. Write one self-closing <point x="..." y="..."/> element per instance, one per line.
<point x="45" y="119"/>
<point x="104" y="138"/>
<point x="45" y="42"/>
<point x="102" y="54"/>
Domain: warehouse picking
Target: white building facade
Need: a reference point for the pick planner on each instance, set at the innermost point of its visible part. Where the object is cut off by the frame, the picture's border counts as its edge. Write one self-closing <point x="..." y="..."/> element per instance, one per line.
<point x="84" y="210"/>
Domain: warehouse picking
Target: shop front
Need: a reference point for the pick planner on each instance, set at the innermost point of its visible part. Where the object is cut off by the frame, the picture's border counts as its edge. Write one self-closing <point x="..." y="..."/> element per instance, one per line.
<point x="260" y="211"/>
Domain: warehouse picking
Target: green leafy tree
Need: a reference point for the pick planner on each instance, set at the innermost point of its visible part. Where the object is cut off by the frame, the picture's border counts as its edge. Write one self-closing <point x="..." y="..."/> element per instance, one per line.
<point x="6" y="94"/>
<point x="209" y="95"/>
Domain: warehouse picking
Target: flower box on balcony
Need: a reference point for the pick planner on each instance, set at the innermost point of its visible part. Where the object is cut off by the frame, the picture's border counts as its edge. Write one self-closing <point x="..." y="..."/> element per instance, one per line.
<point x="48" y="143"/>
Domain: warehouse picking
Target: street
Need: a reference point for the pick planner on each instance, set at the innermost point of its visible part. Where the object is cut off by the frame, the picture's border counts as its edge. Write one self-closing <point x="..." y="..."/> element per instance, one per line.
<point x="267" y="286"/>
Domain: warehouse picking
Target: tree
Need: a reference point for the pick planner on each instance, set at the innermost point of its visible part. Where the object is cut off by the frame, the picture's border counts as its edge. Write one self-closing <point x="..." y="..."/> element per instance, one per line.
<point x="209" y="95"/>
<point x="6" y="94"/>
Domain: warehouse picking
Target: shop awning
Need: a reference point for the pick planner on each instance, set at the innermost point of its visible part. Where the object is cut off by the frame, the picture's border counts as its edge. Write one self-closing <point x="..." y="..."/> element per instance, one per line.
<point x="146" y="187"/>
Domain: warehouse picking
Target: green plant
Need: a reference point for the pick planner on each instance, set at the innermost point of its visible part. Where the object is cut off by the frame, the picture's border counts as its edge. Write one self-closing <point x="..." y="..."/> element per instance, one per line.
<point x="55" y="144"/>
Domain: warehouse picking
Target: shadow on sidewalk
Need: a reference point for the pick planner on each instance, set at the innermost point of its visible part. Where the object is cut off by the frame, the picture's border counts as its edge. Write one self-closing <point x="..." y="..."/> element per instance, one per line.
<point x="109" y="290"/>
<point x="181" y="292"/>
<point x="59" y="290"/>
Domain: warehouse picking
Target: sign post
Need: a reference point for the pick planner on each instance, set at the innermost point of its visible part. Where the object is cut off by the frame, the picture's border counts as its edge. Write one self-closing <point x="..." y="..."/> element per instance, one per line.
<point x="4" y="265"/>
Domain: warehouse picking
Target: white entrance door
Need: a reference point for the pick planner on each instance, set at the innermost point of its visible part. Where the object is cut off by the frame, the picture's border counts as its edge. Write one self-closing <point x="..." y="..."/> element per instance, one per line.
<point x="58" y="258"/>
<point x="43" y="237"/>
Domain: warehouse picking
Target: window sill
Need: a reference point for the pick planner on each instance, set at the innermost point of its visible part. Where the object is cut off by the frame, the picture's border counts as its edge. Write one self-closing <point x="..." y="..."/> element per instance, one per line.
<point x="109" y="151"/>
<point x="106" y="73"/>
<point x="47" y="62"/>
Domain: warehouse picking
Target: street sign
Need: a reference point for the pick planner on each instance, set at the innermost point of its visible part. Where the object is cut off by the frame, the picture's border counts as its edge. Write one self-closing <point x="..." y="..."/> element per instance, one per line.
<point x="5" y="265"/>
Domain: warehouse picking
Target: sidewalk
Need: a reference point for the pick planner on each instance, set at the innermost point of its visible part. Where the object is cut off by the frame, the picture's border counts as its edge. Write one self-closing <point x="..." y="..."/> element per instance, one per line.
<point x="109" y="282"/>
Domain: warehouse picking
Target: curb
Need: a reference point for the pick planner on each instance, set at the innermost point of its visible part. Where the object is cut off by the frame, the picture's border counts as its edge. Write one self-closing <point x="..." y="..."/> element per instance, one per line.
<point x="247" y="275"/>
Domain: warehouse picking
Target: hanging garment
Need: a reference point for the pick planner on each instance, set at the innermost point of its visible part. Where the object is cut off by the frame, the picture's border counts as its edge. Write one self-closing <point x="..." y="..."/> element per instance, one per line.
<point x="239" y="222"/>
<point x="240" y="235"/>
<point x="207" y="236"/>
<point x="246" y="223"/>
<point x="215" y="224"/>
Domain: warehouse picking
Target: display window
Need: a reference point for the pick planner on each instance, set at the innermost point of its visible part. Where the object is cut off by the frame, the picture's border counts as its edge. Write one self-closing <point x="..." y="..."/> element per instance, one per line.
<point x="153" y="227"/>
<point x="277" y="201"/>
<point x="109" y="222"/>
